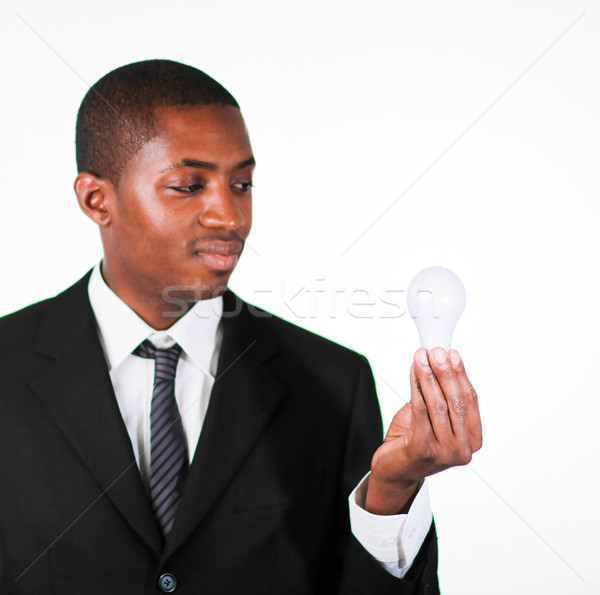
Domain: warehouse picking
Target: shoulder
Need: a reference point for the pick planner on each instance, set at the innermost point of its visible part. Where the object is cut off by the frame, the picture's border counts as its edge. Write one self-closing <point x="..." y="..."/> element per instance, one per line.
<point x="295" y="342"/>
<point x="18" y="328"/>
<point x="22" y="323"/>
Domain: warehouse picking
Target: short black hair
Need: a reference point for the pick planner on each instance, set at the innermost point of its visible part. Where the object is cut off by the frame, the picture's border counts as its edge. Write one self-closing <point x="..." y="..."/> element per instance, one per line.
<point x="117" y="115"/>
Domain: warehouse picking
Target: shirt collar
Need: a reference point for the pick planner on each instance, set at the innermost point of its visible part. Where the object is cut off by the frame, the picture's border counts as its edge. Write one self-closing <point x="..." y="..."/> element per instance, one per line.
<point x="122" y="330"/>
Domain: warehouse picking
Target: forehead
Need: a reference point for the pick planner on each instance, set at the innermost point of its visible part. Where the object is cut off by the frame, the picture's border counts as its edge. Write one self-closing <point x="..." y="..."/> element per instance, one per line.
<point x="217" y="128"/>
<point x="214" y="133"/>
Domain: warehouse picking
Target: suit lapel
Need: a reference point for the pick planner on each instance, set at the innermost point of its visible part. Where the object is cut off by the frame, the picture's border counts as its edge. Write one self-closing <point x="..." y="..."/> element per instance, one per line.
<point x="244" y="397"/>
<point x="73" y="383"/>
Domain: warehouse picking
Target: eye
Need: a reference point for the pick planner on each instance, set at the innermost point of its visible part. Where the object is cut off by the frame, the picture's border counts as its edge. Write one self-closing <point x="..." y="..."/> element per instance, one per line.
<point x="243" y="186"/>
<point x="187" y="189"/>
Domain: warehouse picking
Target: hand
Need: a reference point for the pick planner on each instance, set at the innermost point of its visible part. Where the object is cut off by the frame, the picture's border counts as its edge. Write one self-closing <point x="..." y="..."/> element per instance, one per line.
<point x="439" y="428"/>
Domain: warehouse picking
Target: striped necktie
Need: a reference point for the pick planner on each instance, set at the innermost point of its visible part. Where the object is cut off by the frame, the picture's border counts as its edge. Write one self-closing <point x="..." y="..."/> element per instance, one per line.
<point x="168" y="447"/>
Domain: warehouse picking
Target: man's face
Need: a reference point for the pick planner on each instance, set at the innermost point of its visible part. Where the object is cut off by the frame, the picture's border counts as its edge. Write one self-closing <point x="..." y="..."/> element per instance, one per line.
<point x="183" y="207"/>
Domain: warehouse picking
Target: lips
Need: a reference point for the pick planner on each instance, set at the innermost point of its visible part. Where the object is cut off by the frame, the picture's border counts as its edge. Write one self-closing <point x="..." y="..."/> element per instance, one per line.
<point x="219" y="255"/>
<point x="220" y="247"/>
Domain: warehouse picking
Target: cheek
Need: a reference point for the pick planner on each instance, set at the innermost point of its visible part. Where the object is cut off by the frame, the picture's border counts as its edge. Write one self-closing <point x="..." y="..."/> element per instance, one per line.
<point x="247" y="211"/>
<point x="142" y="230"/>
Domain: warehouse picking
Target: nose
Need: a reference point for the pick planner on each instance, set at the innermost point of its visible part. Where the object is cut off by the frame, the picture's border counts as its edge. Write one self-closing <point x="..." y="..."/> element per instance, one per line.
<point x="222" y="209"/>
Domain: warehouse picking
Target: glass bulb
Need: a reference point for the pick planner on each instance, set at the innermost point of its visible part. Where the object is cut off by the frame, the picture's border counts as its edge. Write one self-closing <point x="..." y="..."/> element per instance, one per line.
<point x="436" y="298"/>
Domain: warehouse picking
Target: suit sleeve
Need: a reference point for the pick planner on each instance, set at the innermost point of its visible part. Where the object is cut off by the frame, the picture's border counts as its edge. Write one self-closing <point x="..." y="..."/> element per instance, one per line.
<point x="361" y="574"/>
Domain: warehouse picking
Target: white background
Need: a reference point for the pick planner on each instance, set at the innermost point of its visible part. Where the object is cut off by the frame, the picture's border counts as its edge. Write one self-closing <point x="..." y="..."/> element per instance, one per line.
<point x="472" y="127"/>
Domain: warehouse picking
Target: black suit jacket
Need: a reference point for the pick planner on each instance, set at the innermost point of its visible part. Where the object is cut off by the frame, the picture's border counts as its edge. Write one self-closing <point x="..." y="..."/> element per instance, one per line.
<point x="292" y="424"/>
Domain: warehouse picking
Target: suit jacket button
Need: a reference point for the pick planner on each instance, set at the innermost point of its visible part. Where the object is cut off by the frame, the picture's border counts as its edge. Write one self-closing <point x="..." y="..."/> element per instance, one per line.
<point x="167" y="582"/>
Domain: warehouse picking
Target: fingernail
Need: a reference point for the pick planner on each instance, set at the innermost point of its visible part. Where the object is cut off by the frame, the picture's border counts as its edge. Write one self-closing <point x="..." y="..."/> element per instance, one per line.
<point x="439" y="355"/>
<point x="422" y="355"/>
<point x="455" y="358"/>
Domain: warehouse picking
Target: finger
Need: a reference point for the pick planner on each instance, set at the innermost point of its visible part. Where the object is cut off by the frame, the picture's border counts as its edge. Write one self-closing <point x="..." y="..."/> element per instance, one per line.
<point x="447" y="378"/>
<point x="434" y="398"/>
<point x="421" y="424"/>
<point x="471" y="399"/>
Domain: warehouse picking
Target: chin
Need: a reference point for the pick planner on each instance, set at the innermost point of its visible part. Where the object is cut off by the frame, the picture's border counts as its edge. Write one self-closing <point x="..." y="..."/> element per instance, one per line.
<point x="197" y="288"/>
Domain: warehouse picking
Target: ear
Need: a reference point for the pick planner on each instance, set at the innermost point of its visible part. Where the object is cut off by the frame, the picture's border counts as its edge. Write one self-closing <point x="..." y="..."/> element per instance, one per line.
<point x="93" y="194"/>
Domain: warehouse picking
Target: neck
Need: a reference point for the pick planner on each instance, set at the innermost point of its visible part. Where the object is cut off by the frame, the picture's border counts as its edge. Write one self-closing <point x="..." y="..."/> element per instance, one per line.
<point x="156" y="309"/>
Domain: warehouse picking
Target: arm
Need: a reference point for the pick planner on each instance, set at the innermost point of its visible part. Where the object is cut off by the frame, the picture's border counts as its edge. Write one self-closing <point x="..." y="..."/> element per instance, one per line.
<point x="438" y="429"/>
<point x="395" y="540"/>
<point x="361" y="573"/>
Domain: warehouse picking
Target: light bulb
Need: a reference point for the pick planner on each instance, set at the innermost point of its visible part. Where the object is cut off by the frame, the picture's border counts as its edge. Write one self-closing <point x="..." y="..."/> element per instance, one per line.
<point x="436" y="298"/>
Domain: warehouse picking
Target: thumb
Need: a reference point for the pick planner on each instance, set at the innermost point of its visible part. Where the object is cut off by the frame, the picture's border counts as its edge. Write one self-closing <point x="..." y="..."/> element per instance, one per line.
<point x="400" y="423"/>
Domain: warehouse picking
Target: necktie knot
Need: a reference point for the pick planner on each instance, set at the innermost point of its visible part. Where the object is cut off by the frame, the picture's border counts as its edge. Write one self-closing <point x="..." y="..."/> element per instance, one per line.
<point x="148" y="350"/>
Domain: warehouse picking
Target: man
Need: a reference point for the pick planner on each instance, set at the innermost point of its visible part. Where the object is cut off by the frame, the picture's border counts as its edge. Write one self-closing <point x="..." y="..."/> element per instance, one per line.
<point x="157" y="434"/>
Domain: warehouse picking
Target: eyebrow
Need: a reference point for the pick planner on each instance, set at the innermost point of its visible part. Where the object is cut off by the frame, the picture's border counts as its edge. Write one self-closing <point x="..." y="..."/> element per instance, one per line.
<point x="207" y="164"/>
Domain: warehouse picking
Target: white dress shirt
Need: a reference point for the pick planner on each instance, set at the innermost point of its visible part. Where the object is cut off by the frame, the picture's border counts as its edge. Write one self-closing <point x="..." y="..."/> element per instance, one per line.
<point x="392" y="540"/>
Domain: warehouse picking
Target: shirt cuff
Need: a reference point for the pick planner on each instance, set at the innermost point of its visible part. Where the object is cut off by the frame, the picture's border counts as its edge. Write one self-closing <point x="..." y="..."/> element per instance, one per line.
<point x="393" y="540"/>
